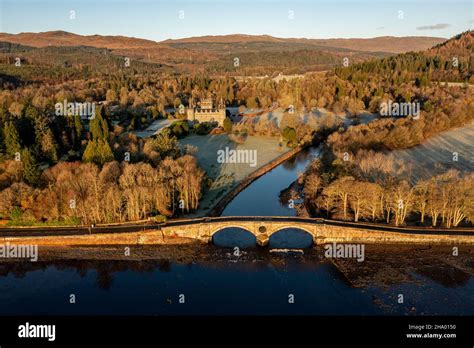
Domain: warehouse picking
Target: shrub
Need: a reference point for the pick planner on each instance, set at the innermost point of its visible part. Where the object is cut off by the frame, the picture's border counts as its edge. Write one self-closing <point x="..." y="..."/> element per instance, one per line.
<point x="289" y="134"/>
<point x="180" y="128"/>
<point x="202" y="128"/>
<point x="227" y="125"/>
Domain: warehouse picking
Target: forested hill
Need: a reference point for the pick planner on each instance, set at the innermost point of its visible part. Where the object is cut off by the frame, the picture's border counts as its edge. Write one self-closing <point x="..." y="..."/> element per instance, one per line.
<point x="257" y="54"/>
<point x="450" y="61"/>
<point x="20" y="64"/>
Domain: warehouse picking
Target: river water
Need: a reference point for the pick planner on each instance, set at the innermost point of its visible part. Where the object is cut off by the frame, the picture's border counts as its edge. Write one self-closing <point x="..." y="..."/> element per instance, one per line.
<point x="222" y="279"/>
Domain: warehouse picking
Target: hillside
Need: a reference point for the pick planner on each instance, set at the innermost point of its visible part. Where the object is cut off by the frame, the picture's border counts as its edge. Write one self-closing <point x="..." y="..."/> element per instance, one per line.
<point x="136" y="48"/>
<point x="460" y="45"/>
<point x="260" y="54"/>
<point x="63" y="62"/>
<point x="435" y="155"/>
<point x="63" y="38"/>
<point x="387" y="44"/>
<point x="450" y="61"/>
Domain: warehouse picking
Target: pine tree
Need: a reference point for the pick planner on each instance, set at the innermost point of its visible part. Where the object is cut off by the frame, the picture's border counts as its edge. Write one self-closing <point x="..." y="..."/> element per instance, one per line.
<point x="104" y="151"/>
<point x="31" y="172"/>
<point x="90" y="151"/>
<point x="12" y="139"/>
<point x="98" y="149"/>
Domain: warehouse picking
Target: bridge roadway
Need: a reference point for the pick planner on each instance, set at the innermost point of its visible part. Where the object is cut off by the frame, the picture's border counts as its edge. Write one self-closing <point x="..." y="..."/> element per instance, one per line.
<point x="262" y="227"/>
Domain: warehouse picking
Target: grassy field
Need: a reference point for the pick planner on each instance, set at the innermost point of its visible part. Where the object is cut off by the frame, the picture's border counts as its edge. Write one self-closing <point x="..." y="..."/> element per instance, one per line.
<point x="225" y="176"/>
<point x="435" y="155"/>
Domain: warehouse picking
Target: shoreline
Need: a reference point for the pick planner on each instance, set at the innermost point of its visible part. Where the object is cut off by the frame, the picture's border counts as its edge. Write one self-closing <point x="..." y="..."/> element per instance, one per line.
<point x="219" y="206"/>
<point x="198" y="252"/>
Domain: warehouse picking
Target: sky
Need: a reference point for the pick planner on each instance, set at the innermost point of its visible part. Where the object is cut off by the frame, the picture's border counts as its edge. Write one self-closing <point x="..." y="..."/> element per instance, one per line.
<point x="164" y="19"/>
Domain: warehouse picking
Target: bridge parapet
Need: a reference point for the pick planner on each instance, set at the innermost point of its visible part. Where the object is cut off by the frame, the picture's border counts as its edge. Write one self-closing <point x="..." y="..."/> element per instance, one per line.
<point x="262" y="229"/>
<point x="323" y="231"/>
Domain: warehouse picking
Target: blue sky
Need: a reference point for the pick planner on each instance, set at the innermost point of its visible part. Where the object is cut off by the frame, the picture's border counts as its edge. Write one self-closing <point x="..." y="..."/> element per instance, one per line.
<point x="160" y="20"/>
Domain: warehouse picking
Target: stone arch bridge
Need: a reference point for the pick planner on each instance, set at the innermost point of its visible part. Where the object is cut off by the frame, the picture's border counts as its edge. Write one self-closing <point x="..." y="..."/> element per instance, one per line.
<point x="321" y="230"/>
<point x="261" y="227"/>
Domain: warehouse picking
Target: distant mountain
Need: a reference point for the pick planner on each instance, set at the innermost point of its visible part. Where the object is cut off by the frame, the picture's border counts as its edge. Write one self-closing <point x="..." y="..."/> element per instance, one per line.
<point x="141" y="49"/>
<point x="389" y="44"/>
<point x="63" y="38"/>
<point x="226" y="39"/>
<point x="259" y="54"/>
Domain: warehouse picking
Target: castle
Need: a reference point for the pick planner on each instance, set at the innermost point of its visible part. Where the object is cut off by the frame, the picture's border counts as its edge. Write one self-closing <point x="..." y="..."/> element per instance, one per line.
<point x="205" y="111"/>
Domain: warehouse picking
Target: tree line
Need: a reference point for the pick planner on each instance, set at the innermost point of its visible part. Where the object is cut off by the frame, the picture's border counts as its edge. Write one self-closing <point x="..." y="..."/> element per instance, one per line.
<point x="376" y="193"/>
<point x="75" y="192"/>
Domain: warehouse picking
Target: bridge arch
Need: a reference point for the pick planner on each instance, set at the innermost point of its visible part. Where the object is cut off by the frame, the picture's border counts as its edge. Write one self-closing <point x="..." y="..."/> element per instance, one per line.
<point x="291" y="237"/>
<point x="227" y="236"/>
<point x="293" y="226"/>
<point x="218" y="228"/>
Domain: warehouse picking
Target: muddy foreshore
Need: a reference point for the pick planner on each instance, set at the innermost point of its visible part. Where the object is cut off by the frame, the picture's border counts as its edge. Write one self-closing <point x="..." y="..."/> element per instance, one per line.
<point x="382" y="264"/>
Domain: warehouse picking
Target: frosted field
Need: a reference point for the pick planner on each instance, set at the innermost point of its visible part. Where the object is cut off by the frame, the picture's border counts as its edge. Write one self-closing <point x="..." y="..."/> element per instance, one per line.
<point x="154" y="128"/>
<point x="225" y="176"/>
<point x="313" y="118"/>
<point x="435" y="155"/>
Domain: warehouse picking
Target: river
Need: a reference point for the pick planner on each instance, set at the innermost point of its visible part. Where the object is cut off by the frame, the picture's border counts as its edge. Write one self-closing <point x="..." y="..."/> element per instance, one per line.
<point x="222" y="279"/>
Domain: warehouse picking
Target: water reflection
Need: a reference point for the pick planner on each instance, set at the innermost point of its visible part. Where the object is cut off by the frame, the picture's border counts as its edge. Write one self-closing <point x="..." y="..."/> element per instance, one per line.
<point x="290" y="238"/>
<point x="234" y="237"/>
<point x="254" y="282"/>
<point x="262" y="197"/>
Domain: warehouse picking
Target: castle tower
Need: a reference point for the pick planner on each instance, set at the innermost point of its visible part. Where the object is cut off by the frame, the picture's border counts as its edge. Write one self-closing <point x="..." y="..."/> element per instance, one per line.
<point x="190" y="110"/>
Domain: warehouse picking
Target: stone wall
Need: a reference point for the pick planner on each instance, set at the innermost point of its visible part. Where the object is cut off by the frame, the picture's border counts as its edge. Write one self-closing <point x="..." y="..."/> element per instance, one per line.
<point x="322" y="233"/>
<point x="329" y="234"/>
<point x="203" y="231"/>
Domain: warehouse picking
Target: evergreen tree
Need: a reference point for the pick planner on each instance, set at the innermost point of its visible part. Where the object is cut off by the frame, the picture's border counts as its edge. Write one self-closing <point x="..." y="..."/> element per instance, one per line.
<point x="31" y="172"/>
<point x="12" y="139"/>
<point x="105" y="152"/>
<point x="90" y="151"/>
<point x="227" y="125"/>
<point x="98" y="149"/>
<point x="98" y="125"/>
<point x="3" y="112"/>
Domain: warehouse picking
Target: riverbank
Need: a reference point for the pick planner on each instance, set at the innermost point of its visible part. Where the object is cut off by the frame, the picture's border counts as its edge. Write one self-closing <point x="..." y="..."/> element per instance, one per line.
<point x="219" y="207"/>
<point x="145" y="237"/>
<point x="224" y="176"/>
